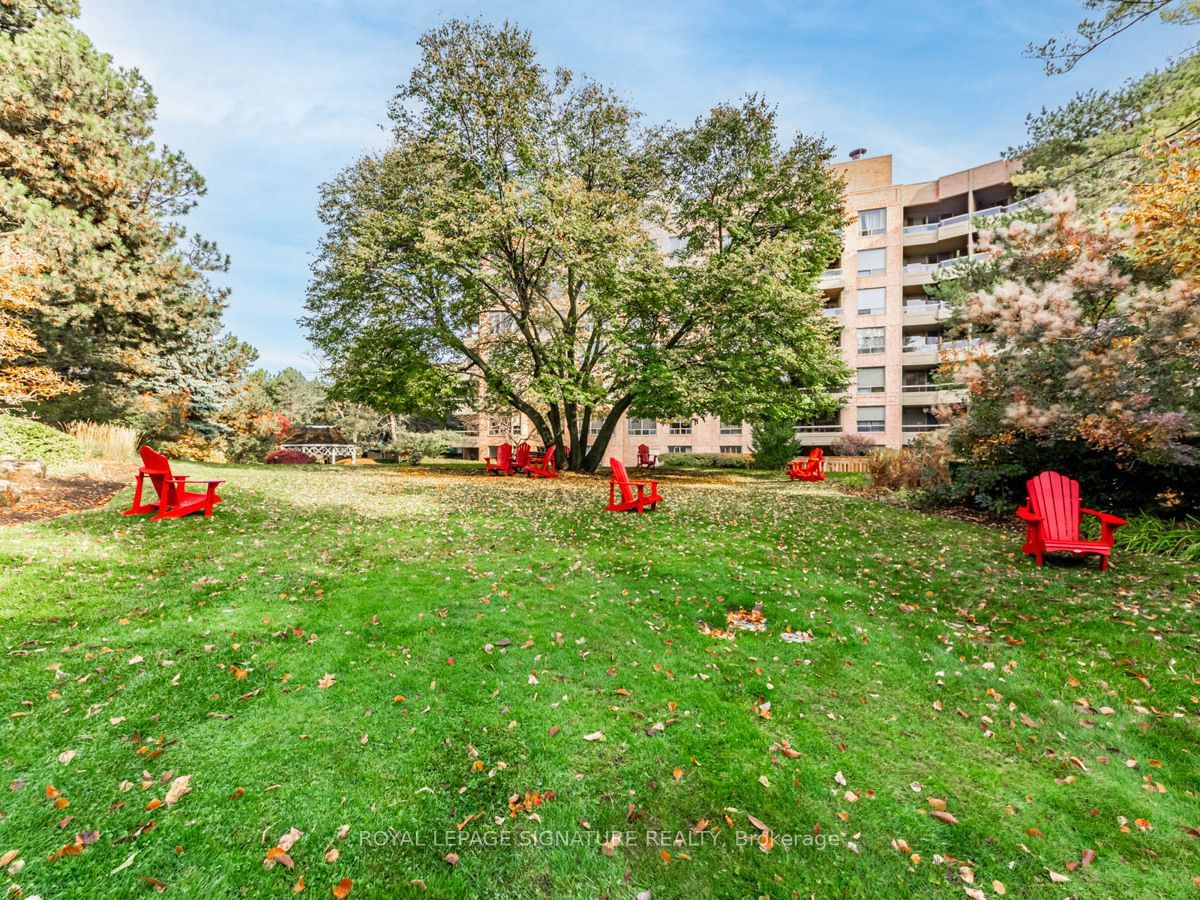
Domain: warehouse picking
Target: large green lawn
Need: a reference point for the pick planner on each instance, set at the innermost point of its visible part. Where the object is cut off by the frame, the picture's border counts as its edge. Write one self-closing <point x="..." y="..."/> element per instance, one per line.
<point x="477" y="631"/>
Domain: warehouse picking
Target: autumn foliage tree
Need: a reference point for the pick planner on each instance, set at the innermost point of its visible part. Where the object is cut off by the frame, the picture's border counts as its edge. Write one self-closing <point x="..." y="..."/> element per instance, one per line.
<point x="1089" y="368"/>
<point x="1164" y="209"/>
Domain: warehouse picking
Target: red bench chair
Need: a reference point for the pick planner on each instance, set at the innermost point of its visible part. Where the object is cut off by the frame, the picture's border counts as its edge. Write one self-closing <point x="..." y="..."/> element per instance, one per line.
<point x="812" y="469"/>
<point x="645" y="460"/>
<point x="1052" y="516"/>
<point x="647" y="491"/>
<point x="546" y="465"/>
<point x="174" y="499"/>
<point x="522" y="462"/>
<point x="503" y="463"/>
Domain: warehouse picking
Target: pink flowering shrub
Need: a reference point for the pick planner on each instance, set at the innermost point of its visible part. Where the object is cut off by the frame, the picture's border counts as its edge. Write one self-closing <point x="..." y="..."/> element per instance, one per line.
<point x="1085" y="360"/>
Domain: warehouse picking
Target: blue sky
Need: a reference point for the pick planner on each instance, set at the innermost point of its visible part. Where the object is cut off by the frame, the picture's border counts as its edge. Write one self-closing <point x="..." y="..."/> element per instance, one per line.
<point x="269" y="98"/>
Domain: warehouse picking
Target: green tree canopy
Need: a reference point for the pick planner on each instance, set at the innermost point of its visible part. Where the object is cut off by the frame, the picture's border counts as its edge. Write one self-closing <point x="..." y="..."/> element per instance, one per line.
<point x="502" y="251"/>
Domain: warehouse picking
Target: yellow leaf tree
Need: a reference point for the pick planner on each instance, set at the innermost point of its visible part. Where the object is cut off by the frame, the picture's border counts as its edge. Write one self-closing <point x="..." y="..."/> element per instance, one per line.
<point x="1164" y="210"/>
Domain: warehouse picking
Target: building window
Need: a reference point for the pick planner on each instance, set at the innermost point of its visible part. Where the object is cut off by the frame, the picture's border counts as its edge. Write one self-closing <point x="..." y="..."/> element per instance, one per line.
<point x="594" y="425"/>
<point x="871" y="381"/>
<point x="872" y="221"/>
<point x="676" y="244"/>
<point x="872" y="262"/>
<point x="679" y="448"/>
<point x="501" y="322"/>
<point x="732" y="448"/>
<point x="679" y="427"/>
<point x="871" y="340"/>
<point x="727" y="428"/>
<point x="919" y="380"/>
<point x="871" y="419"/>
<point x="871" y="301"/>
<point x="643" y="426"/>
<point x="927" y="342"/>
<point x="504" y="425"/>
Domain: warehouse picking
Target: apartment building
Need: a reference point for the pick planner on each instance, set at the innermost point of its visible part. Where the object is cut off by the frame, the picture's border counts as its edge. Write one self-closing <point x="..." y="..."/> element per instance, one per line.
<point x="900" y="238"/>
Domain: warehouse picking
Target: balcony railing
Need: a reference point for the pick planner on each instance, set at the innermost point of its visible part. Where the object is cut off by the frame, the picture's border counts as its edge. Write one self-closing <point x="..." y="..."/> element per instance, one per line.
<point x="919" y="268"/>
<point x="930" y="387"/>
<point x="871" y="427"/>
<point x="918" y="345"/>
<point x="988" y="213"/>
<point x="921" y="426"/>
<point x="831" y="273"/>
<point x="831" y="311"/>
<point x="915" y="346"/>
<point x="810" y="429"/>
<point x="931" y="306"/>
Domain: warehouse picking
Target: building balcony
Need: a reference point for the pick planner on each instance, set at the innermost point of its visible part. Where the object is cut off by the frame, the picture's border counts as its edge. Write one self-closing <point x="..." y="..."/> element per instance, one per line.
<point x="924" y="312"/>
<point x="832" y="312"/>
<point x="925" y="351"/>
<point x="812" y="438"/>
<point x="930" y="394"/>
<point x="918" y="428"/>
<point x="830" y="277"/>
<point x="956" y="226"/>
<point x="817" y="429"/>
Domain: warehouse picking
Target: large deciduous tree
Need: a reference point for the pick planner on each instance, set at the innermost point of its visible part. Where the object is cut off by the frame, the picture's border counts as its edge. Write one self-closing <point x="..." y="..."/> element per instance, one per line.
<point x="502" y="252"/>
<point x="97" y="203"/>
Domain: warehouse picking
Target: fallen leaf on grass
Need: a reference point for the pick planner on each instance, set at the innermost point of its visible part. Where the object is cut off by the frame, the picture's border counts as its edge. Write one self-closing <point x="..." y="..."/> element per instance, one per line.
<point x="594" y="736"/>
<point x="66" y="756"/>
<point x="280" y="856"/>
<point x="327" y="681"/>
<point x="342" y="889"/>
<point x="942" y="816"/>
<point x="178" y="788"/>
<point x="288" y="840"/>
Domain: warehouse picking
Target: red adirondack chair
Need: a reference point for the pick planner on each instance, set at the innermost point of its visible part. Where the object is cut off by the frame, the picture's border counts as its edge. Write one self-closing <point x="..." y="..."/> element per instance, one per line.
<point x="503" y="463"/>
<point x="812" y="469"/>
<point x="645" y="460"/>
<point x="174" y="499"/>
<point x="647" y="491"/>
<point x="546" y="465"/>
<point x="522" y="462"/>
<point x="1052" y="515"/>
